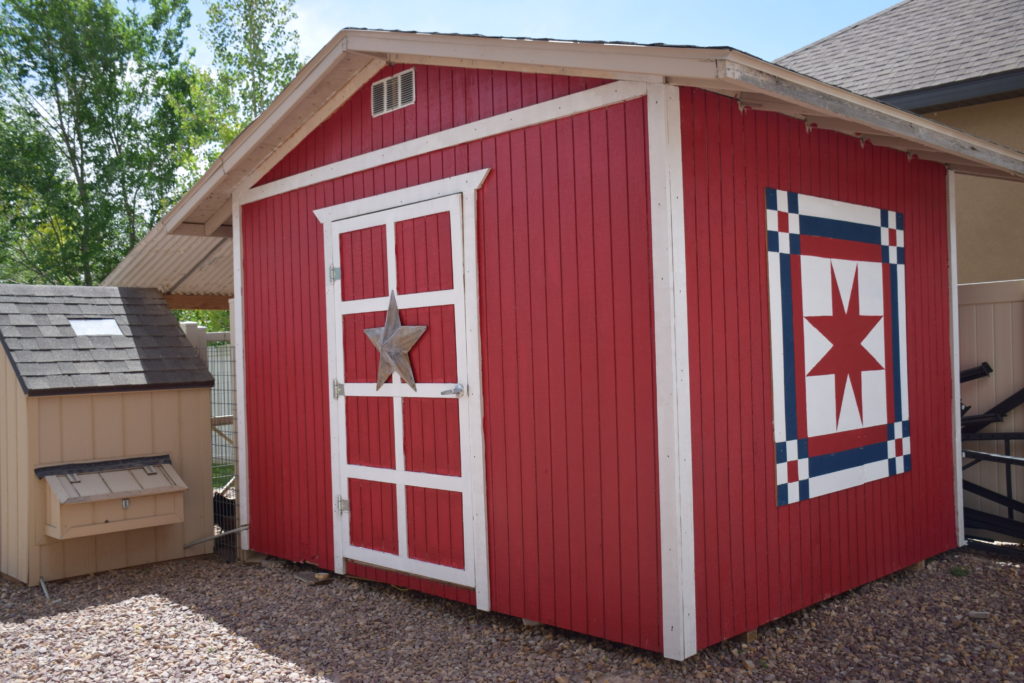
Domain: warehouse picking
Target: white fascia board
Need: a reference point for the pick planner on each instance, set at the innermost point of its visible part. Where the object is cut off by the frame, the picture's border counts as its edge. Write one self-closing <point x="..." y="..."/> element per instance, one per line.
<point x="712" y="68"/>
<point x="362" y="48"/>
<point x="605" y="60"/>
<point x="361" y="77"/>
<point x="820" y="99"/>
<point x="245" y="152"/>
<point x="954" y="370"/>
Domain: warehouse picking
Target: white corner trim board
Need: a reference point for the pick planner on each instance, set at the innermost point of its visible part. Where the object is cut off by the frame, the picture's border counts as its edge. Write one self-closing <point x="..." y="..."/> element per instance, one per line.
<point x="675" y="472"/>
<point x="954" y="336"/>
<point x="238" y="339"/>
<point x="569" y="105"/>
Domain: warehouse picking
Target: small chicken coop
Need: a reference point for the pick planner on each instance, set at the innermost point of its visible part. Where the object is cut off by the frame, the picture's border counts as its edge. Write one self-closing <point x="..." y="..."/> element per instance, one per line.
<point x="104" y="432"/>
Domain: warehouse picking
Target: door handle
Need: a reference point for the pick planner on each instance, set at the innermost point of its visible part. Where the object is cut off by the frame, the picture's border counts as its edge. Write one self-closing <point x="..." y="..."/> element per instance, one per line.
<point x="456" y="390"/>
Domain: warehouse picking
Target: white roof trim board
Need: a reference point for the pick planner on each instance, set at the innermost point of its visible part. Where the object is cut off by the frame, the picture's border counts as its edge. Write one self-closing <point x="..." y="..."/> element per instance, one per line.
<point x="187" y="252"/>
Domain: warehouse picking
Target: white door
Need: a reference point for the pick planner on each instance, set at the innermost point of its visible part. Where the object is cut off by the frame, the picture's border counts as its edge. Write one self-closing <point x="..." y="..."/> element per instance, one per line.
<point x="407" y="427"/>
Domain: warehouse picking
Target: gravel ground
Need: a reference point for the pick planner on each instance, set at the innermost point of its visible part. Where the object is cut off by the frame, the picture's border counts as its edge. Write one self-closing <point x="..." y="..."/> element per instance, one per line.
<point x="199" y="619"/>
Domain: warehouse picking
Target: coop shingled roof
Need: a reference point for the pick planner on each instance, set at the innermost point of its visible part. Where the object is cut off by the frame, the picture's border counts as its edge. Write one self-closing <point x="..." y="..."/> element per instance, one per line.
<point x="918" y="44"/>
<point x="49" y="358"/>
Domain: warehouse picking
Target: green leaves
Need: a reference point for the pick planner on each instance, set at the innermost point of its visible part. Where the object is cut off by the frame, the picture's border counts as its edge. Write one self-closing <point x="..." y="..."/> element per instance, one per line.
<point x="254" y="57"/>
<point x="95" y="138"/>
<point x="106" y="121"/>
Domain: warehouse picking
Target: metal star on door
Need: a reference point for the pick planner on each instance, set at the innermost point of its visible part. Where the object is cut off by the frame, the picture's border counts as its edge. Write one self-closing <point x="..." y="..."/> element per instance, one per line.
<point x="394" y="341"/>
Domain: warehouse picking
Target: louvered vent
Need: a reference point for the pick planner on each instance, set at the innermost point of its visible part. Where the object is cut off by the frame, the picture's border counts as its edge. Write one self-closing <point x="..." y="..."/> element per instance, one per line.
<point x="393" y="93"/>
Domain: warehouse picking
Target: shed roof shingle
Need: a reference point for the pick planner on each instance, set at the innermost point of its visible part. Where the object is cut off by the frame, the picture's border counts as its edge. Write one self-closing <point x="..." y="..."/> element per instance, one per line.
<point x="918" y="44"/>
<point x="49" y="358"/>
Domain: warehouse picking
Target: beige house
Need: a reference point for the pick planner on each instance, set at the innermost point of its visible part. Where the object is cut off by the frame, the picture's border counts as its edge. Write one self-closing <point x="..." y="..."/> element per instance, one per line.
<point x="104" y="432"/>
<point x="960" y="62"/>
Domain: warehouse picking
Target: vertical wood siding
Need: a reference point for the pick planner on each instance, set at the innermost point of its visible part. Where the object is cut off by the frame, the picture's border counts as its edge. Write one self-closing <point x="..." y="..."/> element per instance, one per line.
<point x="374" y="524"/>
<point x="361" y="358"/>
<point x="374" y="445"/>
<point x="756" y="561"/>
<point x="431" y="441"/>
<point x="15" y="475"/>
<point x="568" y="369"/>
<point x="435" y="526"/>
<point x="51" y="430"/>
<point x="363" y="254"/>
<point x="445" y="97"/>
<point x="423" y="250"/>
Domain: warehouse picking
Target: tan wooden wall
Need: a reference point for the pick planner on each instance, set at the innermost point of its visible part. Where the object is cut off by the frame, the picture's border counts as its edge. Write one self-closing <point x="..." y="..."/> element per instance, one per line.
<point x="60" y="429"/>
<point x="989" y="212"/>
<point x="992" y="330"/>
<point x="14" y="499"/>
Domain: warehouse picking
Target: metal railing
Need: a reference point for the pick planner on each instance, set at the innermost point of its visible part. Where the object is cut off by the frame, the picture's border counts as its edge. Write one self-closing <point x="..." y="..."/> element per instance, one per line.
<point x="978" y="519"/>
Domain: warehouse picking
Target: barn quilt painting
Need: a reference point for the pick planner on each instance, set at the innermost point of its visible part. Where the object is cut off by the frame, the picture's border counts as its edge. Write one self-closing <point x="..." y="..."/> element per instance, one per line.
<point x="838" y="336"/>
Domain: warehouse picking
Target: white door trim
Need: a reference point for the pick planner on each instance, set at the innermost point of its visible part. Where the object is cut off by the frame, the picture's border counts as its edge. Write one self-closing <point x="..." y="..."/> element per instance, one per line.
<point x="457" y="194"/>
<point x="672" y="364"/>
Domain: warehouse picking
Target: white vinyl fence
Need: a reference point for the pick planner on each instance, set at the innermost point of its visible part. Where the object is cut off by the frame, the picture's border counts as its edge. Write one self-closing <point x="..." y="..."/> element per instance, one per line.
<point x="992" y="331"/>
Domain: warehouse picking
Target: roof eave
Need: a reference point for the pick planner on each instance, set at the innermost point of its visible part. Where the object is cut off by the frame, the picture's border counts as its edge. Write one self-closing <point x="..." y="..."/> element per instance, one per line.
<point x="960" y="93"/>
<point x="205" y="209"/>
<point x="834" y="108"/>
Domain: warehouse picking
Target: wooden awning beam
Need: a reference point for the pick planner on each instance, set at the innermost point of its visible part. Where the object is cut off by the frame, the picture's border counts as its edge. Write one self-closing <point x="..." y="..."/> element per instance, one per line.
<point x="202" y="302"/>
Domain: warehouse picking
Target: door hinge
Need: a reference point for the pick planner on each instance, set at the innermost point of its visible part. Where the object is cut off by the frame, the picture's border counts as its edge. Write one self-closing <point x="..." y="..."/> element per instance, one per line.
<point x="333" y="274"/>
<point x="342" y="505"/>
<point x="338" y="389"/>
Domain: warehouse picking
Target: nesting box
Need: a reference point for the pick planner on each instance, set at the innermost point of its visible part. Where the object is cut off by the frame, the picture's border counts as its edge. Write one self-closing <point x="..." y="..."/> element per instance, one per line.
<point x="105" y="441"/>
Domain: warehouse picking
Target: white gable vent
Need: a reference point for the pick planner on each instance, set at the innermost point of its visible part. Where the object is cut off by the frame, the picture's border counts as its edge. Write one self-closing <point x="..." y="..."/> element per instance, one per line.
<point x="393" y="93"/>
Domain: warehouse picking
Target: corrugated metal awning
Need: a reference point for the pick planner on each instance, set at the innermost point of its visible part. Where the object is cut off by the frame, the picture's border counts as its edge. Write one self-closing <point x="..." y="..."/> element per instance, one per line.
<point x="184" y="265"/>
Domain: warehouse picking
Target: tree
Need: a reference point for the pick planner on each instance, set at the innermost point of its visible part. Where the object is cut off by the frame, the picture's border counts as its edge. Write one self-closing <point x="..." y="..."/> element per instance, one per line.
<point x="254" y="57"/>
<point x="95" y="132"/>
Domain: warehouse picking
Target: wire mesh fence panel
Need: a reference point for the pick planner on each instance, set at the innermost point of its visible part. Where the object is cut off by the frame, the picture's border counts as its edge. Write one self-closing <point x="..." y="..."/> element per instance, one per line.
<point x="221" y="361"/>
<point x="225" y="451"/>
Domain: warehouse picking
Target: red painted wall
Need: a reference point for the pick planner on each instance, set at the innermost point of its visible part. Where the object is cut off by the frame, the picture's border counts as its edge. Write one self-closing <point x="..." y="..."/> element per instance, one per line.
<point x="445" y="97"/>
<point x="757" y="561"/>
<point x="568" y="371"/>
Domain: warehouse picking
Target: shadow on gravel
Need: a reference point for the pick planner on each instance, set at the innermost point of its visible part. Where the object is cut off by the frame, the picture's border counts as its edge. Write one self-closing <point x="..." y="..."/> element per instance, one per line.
<point x="960" y="617"/>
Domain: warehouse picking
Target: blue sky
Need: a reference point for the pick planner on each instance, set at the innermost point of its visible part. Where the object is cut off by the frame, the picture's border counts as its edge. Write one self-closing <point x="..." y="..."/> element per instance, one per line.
<point x="764" y="28"/>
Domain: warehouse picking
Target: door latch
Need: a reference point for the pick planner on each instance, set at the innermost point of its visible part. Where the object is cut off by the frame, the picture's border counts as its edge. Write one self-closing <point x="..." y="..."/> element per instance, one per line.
<point x="456" y="390"/>
<point x="342" y="505"/>
<point x="338" y="389"/>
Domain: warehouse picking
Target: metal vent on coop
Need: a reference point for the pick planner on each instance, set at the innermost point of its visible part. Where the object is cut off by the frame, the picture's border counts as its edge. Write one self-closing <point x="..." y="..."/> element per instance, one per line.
<point x="393" y="92"/>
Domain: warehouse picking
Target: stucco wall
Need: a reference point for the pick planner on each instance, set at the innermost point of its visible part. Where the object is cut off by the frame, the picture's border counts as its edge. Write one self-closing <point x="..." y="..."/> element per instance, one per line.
<point x="989" y="213"/>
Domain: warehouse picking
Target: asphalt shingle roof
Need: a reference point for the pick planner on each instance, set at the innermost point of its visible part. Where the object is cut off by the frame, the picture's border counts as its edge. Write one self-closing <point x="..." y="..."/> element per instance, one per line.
<point x="49" y="358"/>
<point x="918" y="44"/>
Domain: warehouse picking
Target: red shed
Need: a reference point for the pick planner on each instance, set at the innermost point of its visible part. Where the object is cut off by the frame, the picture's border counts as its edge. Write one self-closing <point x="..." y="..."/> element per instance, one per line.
<point x="651" y="343"/>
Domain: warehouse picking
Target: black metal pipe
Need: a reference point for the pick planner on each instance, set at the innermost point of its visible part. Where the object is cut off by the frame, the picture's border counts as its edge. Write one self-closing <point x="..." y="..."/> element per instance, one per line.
<point x="995" y="436"/>
<point x="995" y="497"/>
<point x="983" y="370"/>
